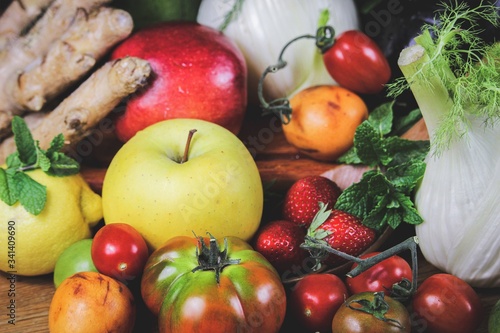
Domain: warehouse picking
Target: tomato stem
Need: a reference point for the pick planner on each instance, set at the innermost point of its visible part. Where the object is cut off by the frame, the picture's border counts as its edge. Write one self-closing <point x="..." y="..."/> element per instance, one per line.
<point x="281" y="106"/>
<point x="211" y="258"/>
<point x="377" y="308"/>
<point x="401" y="291"/>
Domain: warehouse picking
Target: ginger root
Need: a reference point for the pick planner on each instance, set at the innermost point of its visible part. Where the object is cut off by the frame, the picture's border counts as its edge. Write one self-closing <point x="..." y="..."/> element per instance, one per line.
<point x="26" y="50"/>
<point x="55" y="47"/>
<point x="88" y="39"/>
<point x="18" y="15"/>
<point x="76" y="115"/>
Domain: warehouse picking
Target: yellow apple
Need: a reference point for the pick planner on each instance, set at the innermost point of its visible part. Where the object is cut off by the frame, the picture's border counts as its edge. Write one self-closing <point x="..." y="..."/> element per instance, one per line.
<point x="218" y="188"/>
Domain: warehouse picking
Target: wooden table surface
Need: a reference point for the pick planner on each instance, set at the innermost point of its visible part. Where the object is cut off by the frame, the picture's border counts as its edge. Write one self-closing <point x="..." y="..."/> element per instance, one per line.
<point x="277" y="161"/>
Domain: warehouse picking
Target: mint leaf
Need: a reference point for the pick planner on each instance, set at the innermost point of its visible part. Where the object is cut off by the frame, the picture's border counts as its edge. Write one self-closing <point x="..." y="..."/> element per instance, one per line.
<point x="410" y="213"/>
<point x="384" y="199"/>
<point x="381" y="118"/>
<point x="350" y="157"/>
<point x="356" y="199"/>
<point x="370" y="146"/>
<point x="62" y="165"/>
<point x="383" y="195"/>
<point x="13" y="161"/>
<point x="383" y="216"/>
<point x="24" y="141"/>
<point x="406" y="176"/>
<point x="384" y="137"/>
<point x="391" y="207"/>
<point x="16" y="185"/>
<point x="56" y="144"/>
<point x="403" y="150"/>
<point x="42" y="160"/>
<point x="384" y="210"/>
<point x="393" y="210"/>
<point x="32" y="195"/>
<point x="8" y="192"/>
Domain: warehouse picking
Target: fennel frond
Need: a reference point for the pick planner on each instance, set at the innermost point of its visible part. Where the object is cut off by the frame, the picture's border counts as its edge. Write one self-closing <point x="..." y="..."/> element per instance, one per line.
<point x="456" y="79"/>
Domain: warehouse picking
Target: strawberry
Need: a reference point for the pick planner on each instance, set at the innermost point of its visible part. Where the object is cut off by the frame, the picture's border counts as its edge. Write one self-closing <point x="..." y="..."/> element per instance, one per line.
<point x="340" y="231"/>
<point x="279" y="242"/>
<point x="301" y="200"/>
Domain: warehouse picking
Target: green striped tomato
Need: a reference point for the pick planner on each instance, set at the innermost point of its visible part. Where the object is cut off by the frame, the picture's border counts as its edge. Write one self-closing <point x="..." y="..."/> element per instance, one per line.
<point x="197" y="285"/>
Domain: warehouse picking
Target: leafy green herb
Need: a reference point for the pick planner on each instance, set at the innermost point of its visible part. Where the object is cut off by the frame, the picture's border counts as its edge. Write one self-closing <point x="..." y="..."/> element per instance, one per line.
<point x="383" y="195"/>
<point x="459" y="68"/>
<point x="15" y="182"/>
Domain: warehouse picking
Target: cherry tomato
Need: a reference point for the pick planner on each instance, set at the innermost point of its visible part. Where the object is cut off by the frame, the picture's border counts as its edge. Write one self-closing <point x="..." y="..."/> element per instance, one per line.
<point x="119" y="251"/>
<point x="356" y="62"/>
<point x="315" y="299"/>
<point x="445" y="303"/>
<point x="380" y="277"/>
<point x="358" y="315"/>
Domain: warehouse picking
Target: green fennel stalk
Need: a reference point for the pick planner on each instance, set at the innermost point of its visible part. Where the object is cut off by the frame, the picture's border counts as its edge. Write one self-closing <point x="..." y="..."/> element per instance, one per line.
<point x="454" y="75"/>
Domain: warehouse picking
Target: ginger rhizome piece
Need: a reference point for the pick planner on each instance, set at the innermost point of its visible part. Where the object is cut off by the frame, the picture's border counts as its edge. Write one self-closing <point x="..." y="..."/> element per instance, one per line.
<point x="87" y="105"/>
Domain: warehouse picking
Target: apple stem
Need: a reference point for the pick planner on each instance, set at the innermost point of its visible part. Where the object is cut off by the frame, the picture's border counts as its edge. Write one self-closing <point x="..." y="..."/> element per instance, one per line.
<point x="188" y="143"/>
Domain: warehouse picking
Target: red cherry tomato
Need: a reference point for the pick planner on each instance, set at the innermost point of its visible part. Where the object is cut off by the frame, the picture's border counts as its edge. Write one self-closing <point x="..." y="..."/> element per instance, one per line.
<point x="119" y="251"/>
<point x="356" y="62"/>
<point x="380" y="277"/>
<point x="315" y="299"/>
<point x="445" y="303"/>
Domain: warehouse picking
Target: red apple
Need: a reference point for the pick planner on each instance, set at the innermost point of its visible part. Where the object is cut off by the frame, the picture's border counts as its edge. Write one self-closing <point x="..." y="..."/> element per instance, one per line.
<point x="197" y="73"/>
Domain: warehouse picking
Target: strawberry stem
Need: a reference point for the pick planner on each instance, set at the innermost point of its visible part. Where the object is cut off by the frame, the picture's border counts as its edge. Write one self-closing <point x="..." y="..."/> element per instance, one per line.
<point x="319" y="249"/>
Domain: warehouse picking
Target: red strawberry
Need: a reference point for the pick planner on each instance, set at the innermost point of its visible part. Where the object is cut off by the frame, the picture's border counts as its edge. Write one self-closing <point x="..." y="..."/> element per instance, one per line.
<point x="341" y="231"/>
<point x="301" y="200"/>
<point x="279" y="242"/>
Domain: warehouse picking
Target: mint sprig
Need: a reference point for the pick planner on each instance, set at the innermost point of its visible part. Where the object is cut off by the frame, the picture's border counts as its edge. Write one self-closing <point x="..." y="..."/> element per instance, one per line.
<point x="15" y="181"/>
<point x="383" y="195"/>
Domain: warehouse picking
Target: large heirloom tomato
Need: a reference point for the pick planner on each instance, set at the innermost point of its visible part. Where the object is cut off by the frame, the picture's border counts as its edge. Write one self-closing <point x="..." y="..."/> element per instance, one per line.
<point x="195" y="285"/>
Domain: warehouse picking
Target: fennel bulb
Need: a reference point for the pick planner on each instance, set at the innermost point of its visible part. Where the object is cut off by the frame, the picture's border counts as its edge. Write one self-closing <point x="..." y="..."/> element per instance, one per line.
<point x="458" y="197"/>
<point x="260" y="28"/>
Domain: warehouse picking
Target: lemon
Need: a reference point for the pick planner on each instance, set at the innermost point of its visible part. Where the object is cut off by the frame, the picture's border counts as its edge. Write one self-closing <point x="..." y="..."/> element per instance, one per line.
<point x="31" y="244"/>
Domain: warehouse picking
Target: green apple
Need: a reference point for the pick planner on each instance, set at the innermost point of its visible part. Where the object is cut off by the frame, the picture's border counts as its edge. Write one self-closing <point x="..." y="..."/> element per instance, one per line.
<point x="217" y="189"/>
